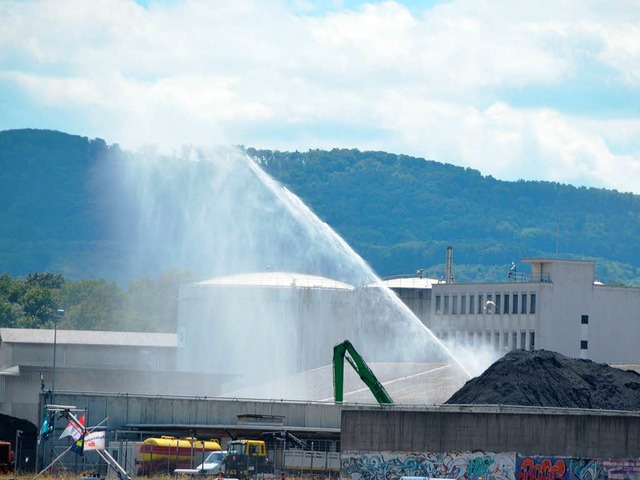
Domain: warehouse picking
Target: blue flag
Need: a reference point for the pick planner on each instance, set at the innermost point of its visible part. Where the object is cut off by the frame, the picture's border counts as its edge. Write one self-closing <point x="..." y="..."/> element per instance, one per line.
<point x="78" y="446"/>
<point x="46" y="428"/>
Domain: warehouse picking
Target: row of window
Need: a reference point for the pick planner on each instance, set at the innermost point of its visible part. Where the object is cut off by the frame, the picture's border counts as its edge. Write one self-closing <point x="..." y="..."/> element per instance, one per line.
<point x="499" y="339"/>
<point x="486" y="303"/>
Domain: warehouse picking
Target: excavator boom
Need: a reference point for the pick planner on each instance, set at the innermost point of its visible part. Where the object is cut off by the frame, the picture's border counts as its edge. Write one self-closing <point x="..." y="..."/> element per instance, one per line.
<point x="362" y="369"/>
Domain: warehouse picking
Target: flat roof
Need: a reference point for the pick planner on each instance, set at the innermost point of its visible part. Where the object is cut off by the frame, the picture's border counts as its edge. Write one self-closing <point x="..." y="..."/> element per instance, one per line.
<point x="234" y="426"/>
<point x="555" y="260"/>
<point x="87" y="337"/>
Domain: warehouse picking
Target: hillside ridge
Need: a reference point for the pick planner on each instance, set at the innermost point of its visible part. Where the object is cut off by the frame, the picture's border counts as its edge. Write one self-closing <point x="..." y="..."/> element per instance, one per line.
<point x="398" y="212"/>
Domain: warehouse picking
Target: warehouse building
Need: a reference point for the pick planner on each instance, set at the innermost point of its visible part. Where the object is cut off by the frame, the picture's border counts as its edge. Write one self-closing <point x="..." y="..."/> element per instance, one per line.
<point x="35" y="362"/>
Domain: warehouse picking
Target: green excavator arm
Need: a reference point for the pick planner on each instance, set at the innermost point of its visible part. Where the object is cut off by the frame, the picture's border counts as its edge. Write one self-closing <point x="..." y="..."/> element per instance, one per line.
<point x="362" y="369"/>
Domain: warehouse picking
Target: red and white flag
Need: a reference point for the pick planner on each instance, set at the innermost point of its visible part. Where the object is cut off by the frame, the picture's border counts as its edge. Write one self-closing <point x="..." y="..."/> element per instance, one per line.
<point x="73" y="429"/>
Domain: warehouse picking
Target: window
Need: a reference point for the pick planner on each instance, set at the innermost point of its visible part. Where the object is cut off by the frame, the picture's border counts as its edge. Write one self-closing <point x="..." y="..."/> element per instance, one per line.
<point x="472" y="305"/>
<point x="480" y="304"/>
<point x="496" y="340"/>
<point x="487" y="306"/>
<point x="463" y="304"/>
<point x="532" y="341"/>
<point x="438" y="304"/>
<point x="584" y="320"/>
<point x="497" y="302"/>
<point x="584" y="344"/>
<point x="523" y="307"/>
<point x="446" y="304"/>
<point x="533" y="303"/>
<point x="523" y="340"/>
<point x="507" y="297"/>
<point x="445" y="336"/>
<point x="454" y="304"/>
<point x="515" y="303"/>
<point x="514" y="340"/>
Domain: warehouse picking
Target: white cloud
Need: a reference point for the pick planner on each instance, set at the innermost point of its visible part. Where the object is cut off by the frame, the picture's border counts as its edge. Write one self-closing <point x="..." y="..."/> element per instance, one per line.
<point x="430" y="81"/>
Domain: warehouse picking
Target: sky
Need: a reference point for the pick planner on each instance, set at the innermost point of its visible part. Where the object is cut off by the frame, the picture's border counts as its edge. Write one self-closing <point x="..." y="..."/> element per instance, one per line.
<point x="516" y="89"/>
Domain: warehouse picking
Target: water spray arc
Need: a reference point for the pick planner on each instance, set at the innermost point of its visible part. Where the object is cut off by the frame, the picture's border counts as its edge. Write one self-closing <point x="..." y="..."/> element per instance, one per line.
<point x="300" y="210"/>
<point x="279" y="287"/>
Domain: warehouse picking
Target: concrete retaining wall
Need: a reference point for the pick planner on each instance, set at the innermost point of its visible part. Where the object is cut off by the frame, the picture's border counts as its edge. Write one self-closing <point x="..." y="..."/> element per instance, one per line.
<point x="490" y="443"/>
<point x="572" y="433"/>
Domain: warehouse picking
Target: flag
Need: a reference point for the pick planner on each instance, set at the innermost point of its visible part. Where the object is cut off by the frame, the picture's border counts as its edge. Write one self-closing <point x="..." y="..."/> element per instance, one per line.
<point x="73" y="429"/>
<point x="78" y="446"/>
<point x="94" y="441"/>
<point x="46" y="428"/>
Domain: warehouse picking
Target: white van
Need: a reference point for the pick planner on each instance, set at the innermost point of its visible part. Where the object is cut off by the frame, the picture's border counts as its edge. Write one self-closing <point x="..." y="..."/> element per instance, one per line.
<point x="212" y="465"/>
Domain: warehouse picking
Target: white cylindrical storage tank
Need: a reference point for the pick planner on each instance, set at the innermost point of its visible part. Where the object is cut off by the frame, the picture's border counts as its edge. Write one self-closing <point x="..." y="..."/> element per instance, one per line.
<point x="258" y="326"/>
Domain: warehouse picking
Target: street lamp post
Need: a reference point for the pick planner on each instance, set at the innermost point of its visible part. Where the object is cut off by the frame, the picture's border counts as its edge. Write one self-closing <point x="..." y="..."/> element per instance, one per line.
<point x="59" y="314"/>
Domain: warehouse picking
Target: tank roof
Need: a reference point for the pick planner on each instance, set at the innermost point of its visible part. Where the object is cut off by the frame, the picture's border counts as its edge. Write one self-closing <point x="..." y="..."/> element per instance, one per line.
<point x="278" y="279"/>
<point x="410" y="282"/>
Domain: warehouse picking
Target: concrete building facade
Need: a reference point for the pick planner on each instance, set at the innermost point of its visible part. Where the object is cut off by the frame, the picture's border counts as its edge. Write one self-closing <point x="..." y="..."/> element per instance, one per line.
<point x="558" y="306"/>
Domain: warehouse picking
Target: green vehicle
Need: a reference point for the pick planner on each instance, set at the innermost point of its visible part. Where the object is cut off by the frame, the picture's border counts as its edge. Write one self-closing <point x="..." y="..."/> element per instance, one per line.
<point x="362" y="369"/>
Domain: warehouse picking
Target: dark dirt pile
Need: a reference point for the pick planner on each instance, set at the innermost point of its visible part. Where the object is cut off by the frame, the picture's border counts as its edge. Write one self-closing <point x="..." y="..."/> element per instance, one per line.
<point x="548" y="379"/>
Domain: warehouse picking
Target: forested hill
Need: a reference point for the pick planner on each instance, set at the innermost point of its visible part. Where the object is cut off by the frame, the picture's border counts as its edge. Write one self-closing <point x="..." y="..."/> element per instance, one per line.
<point x="400" y="213"/>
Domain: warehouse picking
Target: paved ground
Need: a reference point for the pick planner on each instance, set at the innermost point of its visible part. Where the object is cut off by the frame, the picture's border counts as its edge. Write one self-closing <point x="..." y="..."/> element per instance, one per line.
<point x="407" y="383"/>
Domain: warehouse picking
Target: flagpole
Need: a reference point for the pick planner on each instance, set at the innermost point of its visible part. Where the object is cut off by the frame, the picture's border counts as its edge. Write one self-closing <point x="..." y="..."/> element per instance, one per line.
<point x="54" y="461"/>
<point x="84" y="431"/>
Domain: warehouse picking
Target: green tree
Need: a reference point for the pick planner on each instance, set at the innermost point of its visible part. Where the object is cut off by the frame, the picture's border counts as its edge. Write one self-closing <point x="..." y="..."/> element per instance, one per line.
<point x="45" y="280"/>
<point x="10" y="313"/>
<point x="10" y="289"/>
<point x="91" y="305"/>
<point x="39" y="308"/>
<point x="152" y="306"/>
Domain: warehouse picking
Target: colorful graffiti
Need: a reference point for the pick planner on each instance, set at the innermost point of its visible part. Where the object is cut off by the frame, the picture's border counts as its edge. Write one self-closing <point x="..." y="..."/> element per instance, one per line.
<point x="551" y="468"/>
<point x="458" y="465"/>
<point x="546" y="469"/>
<point x="485" y="466"/>
<point x="622" y="469"/>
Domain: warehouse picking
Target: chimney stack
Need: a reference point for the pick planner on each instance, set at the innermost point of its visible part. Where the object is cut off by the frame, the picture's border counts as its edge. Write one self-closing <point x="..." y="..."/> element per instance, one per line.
<point x="448" y="273"/>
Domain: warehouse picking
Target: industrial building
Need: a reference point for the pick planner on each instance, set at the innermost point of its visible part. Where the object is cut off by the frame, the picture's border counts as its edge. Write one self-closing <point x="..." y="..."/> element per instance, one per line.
<point x="558" y="305"/>
<point x="187" y="383"/>
<point x="260" y="326"/>
<point x="35" y="362"/>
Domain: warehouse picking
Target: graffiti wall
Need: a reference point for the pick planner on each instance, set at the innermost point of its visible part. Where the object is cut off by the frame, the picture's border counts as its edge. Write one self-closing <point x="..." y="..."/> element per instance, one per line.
<point x="458" y="465"/>
<point x="484" y="466"/>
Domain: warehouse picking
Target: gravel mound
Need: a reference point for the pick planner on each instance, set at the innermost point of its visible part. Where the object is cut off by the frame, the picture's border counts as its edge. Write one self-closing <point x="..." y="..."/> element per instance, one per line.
<point x="549" y="379"/>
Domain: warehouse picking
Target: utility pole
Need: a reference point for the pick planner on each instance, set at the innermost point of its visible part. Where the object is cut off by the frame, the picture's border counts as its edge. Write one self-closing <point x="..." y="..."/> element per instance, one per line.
<point x="16" y="453"/>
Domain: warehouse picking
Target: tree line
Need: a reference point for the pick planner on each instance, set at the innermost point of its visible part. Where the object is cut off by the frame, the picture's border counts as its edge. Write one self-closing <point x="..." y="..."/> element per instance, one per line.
<point x="38" y="299"/>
